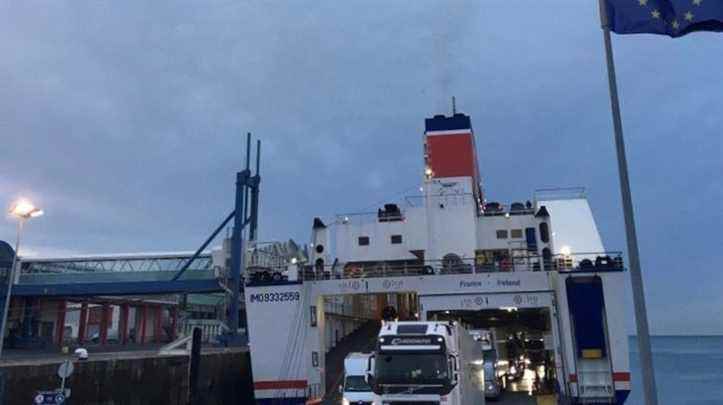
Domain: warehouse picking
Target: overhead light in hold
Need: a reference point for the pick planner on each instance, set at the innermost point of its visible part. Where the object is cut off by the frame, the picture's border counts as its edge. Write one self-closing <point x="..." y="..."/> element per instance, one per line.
<point x="421" y="189"/>
<point x="293" y="260"/>
<point x="565" y="250"/>
<point x="346" y="220"/>
<point x="428" y="172"/>
<point x="509" y="309"/>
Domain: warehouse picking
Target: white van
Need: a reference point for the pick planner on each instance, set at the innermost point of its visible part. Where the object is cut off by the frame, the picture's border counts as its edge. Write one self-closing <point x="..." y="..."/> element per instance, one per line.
<point x="355" y="390"/>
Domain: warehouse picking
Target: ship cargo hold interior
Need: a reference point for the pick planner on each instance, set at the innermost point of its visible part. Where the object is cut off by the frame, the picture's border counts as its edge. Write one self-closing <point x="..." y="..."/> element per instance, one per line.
<point x="522" y="344"/>
<point x="521" y="348"/>
<point x="352" y="324"/>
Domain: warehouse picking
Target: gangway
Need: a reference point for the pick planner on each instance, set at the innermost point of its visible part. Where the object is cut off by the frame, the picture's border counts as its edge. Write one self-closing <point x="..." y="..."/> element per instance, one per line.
<point x="132" y="274"/>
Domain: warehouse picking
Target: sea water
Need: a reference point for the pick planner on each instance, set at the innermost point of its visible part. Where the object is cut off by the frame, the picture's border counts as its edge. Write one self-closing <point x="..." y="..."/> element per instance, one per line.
<point x="688" y="370"/>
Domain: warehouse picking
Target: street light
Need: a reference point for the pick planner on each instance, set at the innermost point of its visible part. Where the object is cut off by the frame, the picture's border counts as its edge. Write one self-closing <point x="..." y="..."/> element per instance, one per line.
<point x="23" y="210"/>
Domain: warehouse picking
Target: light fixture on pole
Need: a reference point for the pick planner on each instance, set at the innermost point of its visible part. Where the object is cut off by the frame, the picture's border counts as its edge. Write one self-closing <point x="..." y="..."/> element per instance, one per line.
<point x="23" y="210"/>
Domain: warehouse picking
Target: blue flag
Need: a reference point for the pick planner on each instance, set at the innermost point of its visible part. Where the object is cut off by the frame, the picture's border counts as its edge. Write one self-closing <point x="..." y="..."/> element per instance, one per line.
<point x="667" y="17"/>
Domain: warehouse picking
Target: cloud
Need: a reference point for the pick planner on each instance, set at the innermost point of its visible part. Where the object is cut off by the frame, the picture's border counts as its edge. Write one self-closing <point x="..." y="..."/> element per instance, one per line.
<point x="127" y="121"/>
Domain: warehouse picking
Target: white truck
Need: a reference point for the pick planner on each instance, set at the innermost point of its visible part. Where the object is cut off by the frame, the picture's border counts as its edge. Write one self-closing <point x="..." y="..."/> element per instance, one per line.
<point x="426" y="363"/>
<point x="355" y="390"/>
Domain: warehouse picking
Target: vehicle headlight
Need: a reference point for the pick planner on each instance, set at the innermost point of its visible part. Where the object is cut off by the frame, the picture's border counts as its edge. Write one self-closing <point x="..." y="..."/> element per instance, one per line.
<point x="344" y="401"/>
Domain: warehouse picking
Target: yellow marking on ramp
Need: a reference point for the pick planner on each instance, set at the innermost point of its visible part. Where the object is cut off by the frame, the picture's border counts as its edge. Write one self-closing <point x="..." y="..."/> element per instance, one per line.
<point x="546" y="400"/>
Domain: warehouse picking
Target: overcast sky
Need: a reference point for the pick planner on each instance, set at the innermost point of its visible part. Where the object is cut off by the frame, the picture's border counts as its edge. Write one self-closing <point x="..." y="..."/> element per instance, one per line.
<point x="125" y="121"/>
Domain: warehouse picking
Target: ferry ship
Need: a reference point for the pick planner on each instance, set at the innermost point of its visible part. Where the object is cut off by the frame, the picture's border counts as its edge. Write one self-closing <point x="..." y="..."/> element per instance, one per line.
<point x="534" y="274"/>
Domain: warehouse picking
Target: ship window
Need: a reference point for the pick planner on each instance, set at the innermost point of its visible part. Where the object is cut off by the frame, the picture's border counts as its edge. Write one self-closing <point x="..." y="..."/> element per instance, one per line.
<point x="502" y="234"/>
<point x="544" y="232"/>
<point x="547" y="258"/>
<point x="363" y="241"/>
<point x="516" y="233"/>
<point x="396" y="239"/>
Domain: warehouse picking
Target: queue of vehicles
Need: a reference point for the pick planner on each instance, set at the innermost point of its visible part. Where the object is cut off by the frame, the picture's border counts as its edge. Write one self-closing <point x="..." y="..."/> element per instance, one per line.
<point x="429" y="363"/>
<point x="355" y="389"/>
<point x="417" y="363"/>
<point x="492" y="375"/>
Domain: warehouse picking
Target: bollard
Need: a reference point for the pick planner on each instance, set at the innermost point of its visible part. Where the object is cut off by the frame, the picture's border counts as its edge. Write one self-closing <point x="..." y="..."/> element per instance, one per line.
<point x="194" y="397"/>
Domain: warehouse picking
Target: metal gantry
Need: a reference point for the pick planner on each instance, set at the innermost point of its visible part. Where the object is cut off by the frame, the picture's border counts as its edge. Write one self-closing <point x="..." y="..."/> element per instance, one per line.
<point x="171" y="262"/>
<point x="155" y="273"/>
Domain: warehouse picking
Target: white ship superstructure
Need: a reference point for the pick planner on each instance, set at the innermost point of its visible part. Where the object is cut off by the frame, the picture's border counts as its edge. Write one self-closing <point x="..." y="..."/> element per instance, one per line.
<point x="535" y="272"/>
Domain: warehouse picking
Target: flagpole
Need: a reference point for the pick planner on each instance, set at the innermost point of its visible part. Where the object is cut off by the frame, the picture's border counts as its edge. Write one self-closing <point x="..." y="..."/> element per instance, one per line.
<point x="636" y="278"/>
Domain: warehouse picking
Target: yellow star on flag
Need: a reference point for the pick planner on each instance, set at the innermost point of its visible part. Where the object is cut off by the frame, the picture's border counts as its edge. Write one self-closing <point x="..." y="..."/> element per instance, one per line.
<point x="689" y="16"/>
<point x="655" y="14"/>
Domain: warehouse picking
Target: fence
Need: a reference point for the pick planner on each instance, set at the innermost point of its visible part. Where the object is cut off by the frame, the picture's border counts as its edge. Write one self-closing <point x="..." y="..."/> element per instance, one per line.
<point x="210" y="328"/>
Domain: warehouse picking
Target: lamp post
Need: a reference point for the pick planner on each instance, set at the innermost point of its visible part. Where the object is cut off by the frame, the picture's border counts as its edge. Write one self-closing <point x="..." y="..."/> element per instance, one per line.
<point x="23" y="210"/>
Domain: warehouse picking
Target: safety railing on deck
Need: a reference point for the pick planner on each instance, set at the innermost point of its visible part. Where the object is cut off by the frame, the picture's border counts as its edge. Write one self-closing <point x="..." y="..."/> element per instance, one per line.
<point x="559" y="193"/>
<point x="603" y="261"/>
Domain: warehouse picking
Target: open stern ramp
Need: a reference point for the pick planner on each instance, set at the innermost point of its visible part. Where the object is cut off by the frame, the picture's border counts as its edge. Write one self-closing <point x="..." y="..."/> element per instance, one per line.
<point x="287" y="322"/>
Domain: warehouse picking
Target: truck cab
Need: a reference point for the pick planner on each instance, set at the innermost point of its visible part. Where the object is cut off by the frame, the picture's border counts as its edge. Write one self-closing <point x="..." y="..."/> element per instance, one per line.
<point x="426" y="363"/>
<point x="355" y="390"/>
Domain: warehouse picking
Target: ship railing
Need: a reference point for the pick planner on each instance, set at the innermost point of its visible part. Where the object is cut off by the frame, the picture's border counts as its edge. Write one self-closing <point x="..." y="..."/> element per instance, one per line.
<point x="453" y="198"/>
<point x="503" y="210"/>
<point x="585" y="261"/>
<point x="364" y="218"/>
<point x="559" y="193"/>
<point x="598" y="261"/>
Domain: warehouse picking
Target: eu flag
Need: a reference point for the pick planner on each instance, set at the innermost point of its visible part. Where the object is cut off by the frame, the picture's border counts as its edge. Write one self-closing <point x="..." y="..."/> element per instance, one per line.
<point x="667" y="17"/>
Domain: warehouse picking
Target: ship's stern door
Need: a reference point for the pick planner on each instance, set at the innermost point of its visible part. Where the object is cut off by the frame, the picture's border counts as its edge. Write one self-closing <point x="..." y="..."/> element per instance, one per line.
<point x="593" y="376"/>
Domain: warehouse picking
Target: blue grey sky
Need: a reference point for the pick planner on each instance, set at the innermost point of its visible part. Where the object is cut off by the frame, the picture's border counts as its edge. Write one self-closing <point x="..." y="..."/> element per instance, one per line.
<point x="125" y="121"/>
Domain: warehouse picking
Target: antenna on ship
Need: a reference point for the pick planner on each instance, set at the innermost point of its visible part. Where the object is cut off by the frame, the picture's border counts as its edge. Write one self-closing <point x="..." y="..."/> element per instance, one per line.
<point x="454" y="105"/>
